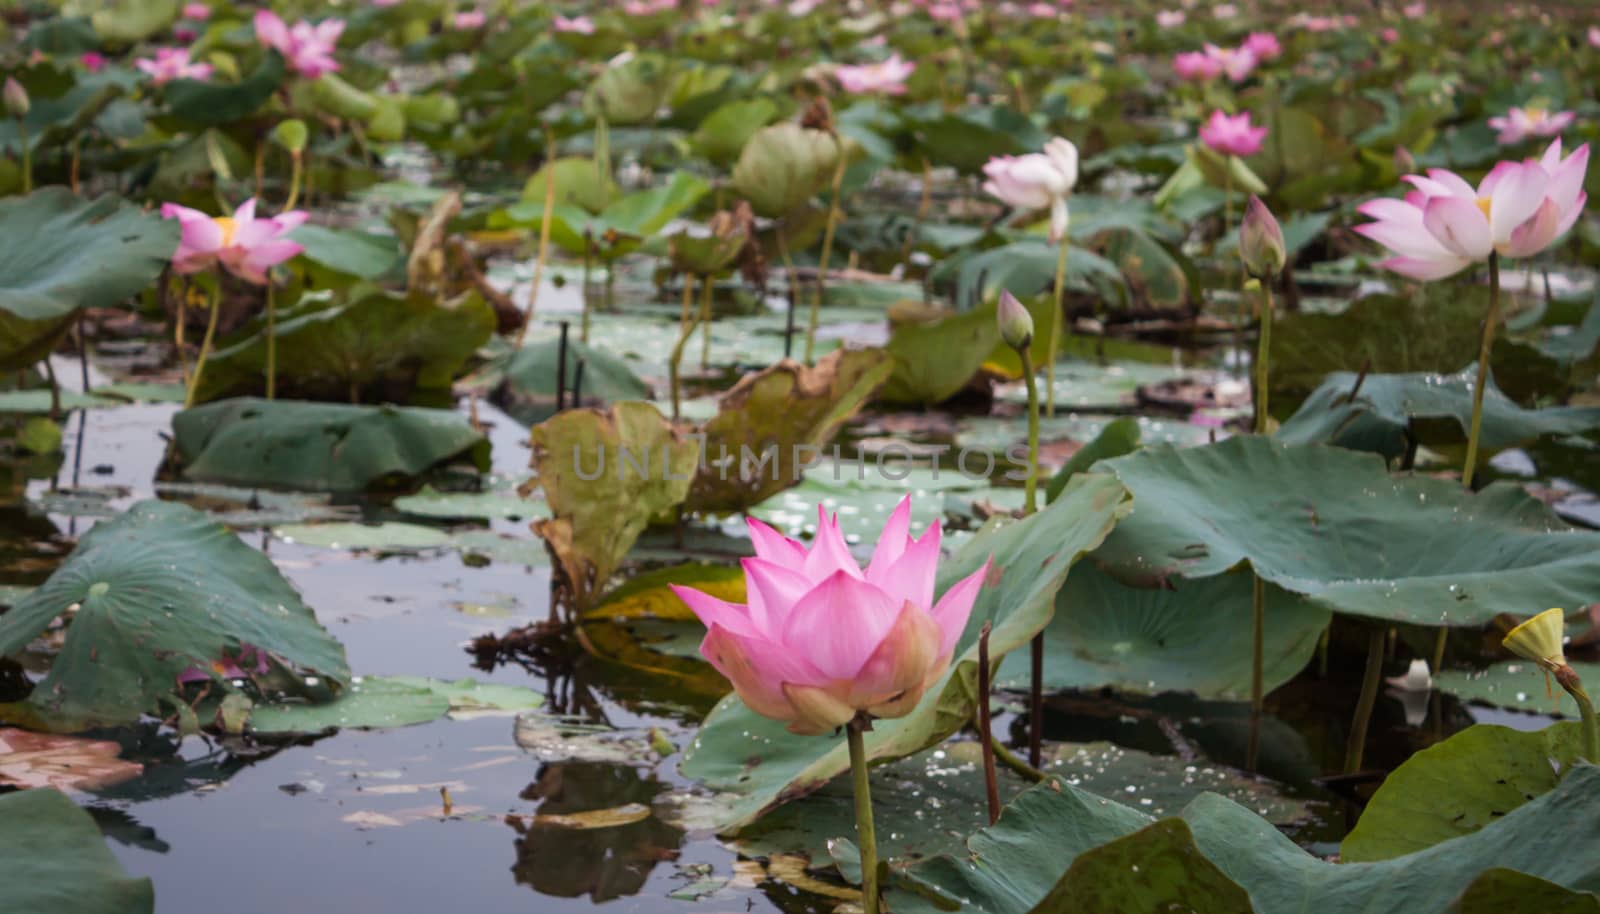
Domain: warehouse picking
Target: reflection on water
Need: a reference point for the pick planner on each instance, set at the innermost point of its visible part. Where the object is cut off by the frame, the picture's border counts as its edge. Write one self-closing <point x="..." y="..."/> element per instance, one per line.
<point x="601" y="863"/>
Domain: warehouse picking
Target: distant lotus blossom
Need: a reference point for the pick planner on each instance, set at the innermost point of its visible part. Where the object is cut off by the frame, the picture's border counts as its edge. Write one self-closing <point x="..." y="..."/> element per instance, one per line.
<point x="888" y="76"/>
<point x="1196" y="66"/>
<point x="1390" y="35"/>
<point x="1238" y="63"/>
<point x="1171" y="19"/>
<point x="1043" y="11"/>
<point x="308" y="48"/>
<point x="1415" y="10"/>
<point x="1036" y="181"/>
<point x="1520" y="123"/>
<point x="1445" y="225"/>
<point x="577" y="25"/>
<point x="944" y="12"/>
<point x="245" y="246"/>
<point x="649" y="7"/>
<point x="1224" y="11"/>
<point x="1264" y="45"/>
<point x="184" y="35"/>
<point x="170" y="64"/>
<point x="93" y="61"/>
<point x="470" y="20"/>
<point x="1232" y="135"/>
<point x="1594" y="36"/>
<point x="196" y="12"/>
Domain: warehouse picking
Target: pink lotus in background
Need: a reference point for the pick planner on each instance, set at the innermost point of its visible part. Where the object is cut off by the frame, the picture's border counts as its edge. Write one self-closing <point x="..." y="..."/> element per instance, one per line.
<point x="469" y="20"/>
<point x="1171" y="19"/>
<point x="196" y="12"/>
<point x="888" y="76"/>
<point x="1444" y="225"/>
<point x="228" y="667"/>
<point x="1232" y="135"/>
<point x="93" y="61"/>
<point x="1263" y="45"/>
<point x="245" y="246"/>
<point x="820" y="640"/>
<point x="1036" y="181"/>
<point x="1594" y="36"/>
<point x="1196" y="66"/>
<point x="308" y="48"/>
<point x="1520" y="123"/>
<point x="578" y="25"/>
<point x="170" y="64"/>
<point x="1238" y="63"/>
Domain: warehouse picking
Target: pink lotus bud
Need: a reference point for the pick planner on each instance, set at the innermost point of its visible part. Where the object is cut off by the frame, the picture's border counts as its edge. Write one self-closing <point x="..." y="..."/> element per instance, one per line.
<point x="1261" y="241"/>
<point x="16" y="99"/>
<point x="1016" y="324"/>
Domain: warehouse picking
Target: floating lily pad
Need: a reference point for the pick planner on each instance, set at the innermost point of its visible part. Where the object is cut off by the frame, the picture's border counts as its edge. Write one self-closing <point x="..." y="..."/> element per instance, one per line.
<point x="324" y="447"/>
<point x="486" y="505"/>
<point x="395" y="536"/>
<point x="39" y="401"/>
<point x="1513" y="684"/>
<point x="1459" y="786"/>
<point x="738" y="751"/>
<point x="378" y="702"/>
<point x="533" y="371"/>
<point x="1333" y="525"/>
<point x="53" y="860"/>
<point x="160" y="590"/>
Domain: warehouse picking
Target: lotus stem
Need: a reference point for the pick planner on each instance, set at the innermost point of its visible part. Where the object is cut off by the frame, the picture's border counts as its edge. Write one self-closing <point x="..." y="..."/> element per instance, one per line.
<point x="1015" y="763"/>
<point x="991" y="783"/>
<point x="272" y="341"/>
<point x="297" y="168"/>
<point x="685" y="330"/>
<point x="177" y="335"/>
<point x="1036" y="700"/>
<point x="1058" y="305"/>
<point x="27" y="156"/>
<point x="1258" y="637"/>
<point x="55" y="389"/>
<point x="1369" y="696"/>
<point x="866" y="837"/>
<point x="794" y="291"/>
<point x="1263" y="346"/>
<point x="706" y="288"/>
<point x="827" y="250"/>
<point x="205" y="345"/>
<point x="1031" y="486"/>
<point x="1484" y="346"/>
<point x="583" y="327"/>
<point x="1568" y="678"/>
<point x="544" y="237"/>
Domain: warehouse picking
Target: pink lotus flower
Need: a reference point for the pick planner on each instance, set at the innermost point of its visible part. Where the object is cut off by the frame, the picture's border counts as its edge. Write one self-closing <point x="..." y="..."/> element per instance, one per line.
<point x="1444" y="225"/>
<point x="1238" y="63"/>
<point x="1594" y="36"/>
<point x="1264" y="45"/>
<point x="245" y="246"/>
<point x="1520" y="123"/>
<point x="170" y="64"/>
<point x="888" y="77"/>
<point x="1232" y="135"/>
<point x="1171" y="19"/>
<point x="229" y="667"/>
<point x="820" y="640"/>
<point x="307" y="48"/>
<point x="196" y="12"/>
<point x="469" y="21"/>
<point x="93" y="61"/>
<point x="578" y="25"/>
<point x="1036" y="181"/>
<point x="1196" y="66"/>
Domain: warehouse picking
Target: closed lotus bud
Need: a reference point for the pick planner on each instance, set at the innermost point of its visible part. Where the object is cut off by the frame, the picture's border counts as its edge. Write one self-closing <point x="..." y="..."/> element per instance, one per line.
<point x="1016" y="324"/>
<point x="16" y="99"/>
<point x="1539" y="639"/>
<point x="783" y="166"/>
<point x="1404" y="162"/>
<point x="1261" y="241"/>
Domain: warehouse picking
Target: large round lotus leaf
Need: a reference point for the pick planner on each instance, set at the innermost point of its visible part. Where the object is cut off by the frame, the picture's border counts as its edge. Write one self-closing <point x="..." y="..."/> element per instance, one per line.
<point x="722" y="135"/>
<point x="59" y="253"/>
<point x="381" y="702"/>
<point x="966" y="140"/>
<point x="577" y="182"/>
<point x="210" y="104"/>
<point x="782" y="166"/>
<point x="159" y="590"/>
<point x="1503" y="891"/>
<point x="54" y="860"/>
<point x="1458" y="786"/>
<point x="353" y="253"/>
<point x="786" y="413"/>
<point x="1157" y="868"/>
<point x="1334" y="525"/>
<point x="935" y="359"/>
<point x="1013" y="865"/>
<point x="757" y="759"/>
<point x="381" y="345"/>
<point x="320" y="447"/>
<point x="1192" y="638"/>
<point x="1389" y="404"/>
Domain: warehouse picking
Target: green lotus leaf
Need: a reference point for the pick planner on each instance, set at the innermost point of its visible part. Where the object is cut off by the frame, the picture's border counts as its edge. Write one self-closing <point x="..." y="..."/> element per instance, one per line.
<point x="1401" y="549"/>
<point x="159" y="590"/>
<point x="782" y="166"/>
<point x="320" y="447"/>
<point x="206" y="103"/>
<point x="725" y="131"/>
<point x="54" y="860"/>
<point x="1034" y="556"/>
<point x="935" y="359"/>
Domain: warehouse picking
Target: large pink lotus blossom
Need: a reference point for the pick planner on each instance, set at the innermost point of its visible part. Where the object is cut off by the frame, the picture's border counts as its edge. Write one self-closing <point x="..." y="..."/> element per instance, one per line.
<point x="245" y="246"/>
<point x="820" y="640"/>
<point x="1036" y="181"/>
<point x="1196" y="66"/>
<point x="1444" y="224"/>
<point x="308" y="48"/>
<point x="1232" y="135"/>
<point x="888" y="76"/>
<point x="1264" y="45"/>
<point x="1520" y="123"/>
<point x="170" y="64"/>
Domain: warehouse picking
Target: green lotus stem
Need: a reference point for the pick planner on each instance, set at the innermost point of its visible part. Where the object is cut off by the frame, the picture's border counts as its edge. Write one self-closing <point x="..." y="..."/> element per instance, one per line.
<point x="706" y="288"/>
<point x="544" y="238"/>
<point x="27" y="156"/>
<point x="794" y="283"/>
<point x="177" y="335"/>
<point x="1016" y="763"/>
<point x="1438" y="648"/>
<point x="583" y="327"/>
<point x="686" y="325"/>
<point x="1031" y="486"/>
<point x="295" y="174"/>
<point x="1484" y="346"/>
<point x="866" y="837"/>
<point x="272" y="342"/>
<point x="1369" y="696"/>
<point x="827" y="249"/>
<point x="1054" y="347"/>
<point x="205" y="345"/>
<point x="1262" y="348"/>
<point x="1258" y="637"/>
<point x="1568" y="678"/>
<point x="1227" y="231"/>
